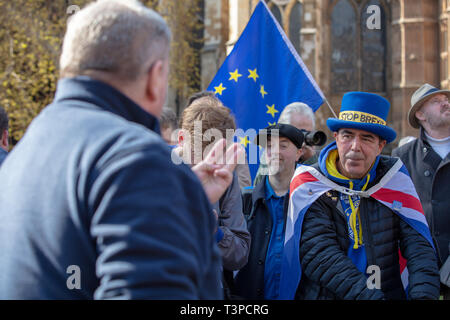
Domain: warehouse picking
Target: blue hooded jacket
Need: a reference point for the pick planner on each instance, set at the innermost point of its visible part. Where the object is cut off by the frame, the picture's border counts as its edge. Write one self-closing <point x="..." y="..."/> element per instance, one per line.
<point x="3" y="155"/>
<point x="93" y="207"/>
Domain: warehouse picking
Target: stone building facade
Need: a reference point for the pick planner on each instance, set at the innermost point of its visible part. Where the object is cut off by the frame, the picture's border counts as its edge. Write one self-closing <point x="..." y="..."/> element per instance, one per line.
<point x="345" y="49"/>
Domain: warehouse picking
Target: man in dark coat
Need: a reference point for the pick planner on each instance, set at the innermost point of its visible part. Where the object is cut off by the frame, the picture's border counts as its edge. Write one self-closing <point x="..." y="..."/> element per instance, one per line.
<point x="428" y="162"/>
<point x="92" y="206"/>
<point x="352" y="213"/>
<point x="266" y="208"/>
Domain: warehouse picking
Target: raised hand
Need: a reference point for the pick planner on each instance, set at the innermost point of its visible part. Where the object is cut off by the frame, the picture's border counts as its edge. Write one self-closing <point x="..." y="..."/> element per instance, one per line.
<point x="216" y="170"/>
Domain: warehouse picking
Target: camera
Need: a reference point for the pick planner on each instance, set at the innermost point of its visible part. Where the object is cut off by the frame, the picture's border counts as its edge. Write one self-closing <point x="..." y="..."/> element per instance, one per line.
<point x="314" y="138"/>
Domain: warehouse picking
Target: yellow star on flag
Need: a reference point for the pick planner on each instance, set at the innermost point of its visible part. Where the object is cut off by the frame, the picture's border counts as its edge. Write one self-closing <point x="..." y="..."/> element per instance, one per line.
<point x="262" y="91"/>
<point x="272" y="123"/>
<point x="244" y="141"/>
<point x="253" y="74"/>
<point x="219" y="89"/>
<point x="235" y="75"/>
<point x="271" y="110"/>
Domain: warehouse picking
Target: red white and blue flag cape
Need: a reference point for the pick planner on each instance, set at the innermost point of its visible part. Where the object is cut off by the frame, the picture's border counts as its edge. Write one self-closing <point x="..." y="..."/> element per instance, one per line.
<point x="395" y="190"/>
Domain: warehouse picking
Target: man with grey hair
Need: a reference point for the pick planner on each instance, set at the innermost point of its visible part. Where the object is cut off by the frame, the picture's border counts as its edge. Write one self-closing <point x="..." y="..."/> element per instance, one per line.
<point x="301" y="116"/>
<point x="92" y="205"/>
<point x="298" y="114"/>
<point x="169" y="124"/>
<point x="4" y="144"/>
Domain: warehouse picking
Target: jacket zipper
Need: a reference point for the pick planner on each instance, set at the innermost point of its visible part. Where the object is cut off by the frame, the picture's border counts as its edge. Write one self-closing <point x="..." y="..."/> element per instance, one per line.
<point x="342" y="215"/>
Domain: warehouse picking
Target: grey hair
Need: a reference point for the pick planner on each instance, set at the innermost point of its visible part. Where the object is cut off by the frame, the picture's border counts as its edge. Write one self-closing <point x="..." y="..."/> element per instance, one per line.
<point x="121" y="37"/>
<point x="168" y="119"/>
<point x="300" y="108"/>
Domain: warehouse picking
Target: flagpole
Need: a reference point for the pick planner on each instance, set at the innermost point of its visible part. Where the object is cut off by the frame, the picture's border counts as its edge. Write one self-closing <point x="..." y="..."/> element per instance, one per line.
<point x="332" y="111"/>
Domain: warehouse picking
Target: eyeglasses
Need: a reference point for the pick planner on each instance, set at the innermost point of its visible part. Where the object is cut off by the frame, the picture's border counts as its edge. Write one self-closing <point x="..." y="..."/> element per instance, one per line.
<point x="438" y="101"/>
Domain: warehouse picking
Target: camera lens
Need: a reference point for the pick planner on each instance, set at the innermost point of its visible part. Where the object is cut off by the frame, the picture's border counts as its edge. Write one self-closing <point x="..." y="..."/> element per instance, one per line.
<point x="315" y="138"/>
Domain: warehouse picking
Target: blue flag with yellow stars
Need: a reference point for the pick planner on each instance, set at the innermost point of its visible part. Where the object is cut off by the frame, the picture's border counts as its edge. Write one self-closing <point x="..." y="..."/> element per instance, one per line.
<point x="262" y="75"/>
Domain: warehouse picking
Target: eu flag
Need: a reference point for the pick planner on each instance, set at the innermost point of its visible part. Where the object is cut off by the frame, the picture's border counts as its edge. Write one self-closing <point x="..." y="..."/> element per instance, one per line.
<point x="262" y="75"/>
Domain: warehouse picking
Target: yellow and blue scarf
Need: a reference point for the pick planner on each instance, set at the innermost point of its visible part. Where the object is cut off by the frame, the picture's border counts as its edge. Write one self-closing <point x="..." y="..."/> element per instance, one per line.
<point x="395" y="190"/>
<point x="350" y="204"/>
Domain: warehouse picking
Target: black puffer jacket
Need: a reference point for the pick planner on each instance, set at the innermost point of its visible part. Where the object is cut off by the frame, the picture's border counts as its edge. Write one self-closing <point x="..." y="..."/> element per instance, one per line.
<point x="328" y="273"/>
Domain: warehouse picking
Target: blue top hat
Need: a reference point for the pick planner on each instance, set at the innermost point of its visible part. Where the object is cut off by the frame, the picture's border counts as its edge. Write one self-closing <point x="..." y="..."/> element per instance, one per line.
<point x="364" y="111"/>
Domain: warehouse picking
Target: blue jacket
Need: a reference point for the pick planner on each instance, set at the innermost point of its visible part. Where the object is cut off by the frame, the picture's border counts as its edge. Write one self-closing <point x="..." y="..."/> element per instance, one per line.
<point x="3" y="155"/>
<point x="93" y="207"/>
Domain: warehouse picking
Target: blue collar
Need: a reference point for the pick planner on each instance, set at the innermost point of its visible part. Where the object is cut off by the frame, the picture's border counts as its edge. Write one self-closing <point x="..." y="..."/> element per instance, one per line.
<point x="269" y="193"/>
<point x="103" y="96"/>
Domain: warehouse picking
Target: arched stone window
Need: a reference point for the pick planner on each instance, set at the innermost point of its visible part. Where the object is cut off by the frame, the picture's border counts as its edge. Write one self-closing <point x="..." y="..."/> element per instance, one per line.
<point x="444" y="17"/>
<point x="358" y="45"/>
<point x="344" y="47"/>
<point x="289" y="14"/>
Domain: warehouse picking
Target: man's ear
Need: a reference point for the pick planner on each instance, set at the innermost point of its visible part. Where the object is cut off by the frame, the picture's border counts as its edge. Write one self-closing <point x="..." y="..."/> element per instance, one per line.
<point x="5" y="139"/>
<point x="381" y="145"/>
<point x="156" y="86"/>
<point x="181" y="138"/>
<point x="299" y="154"/>
<point x="420" y="116"/>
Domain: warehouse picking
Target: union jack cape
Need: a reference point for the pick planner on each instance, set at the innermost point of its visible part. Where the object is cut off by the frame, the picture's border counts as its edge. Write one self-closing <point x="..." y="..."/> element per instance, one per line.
<point x="395" y="190"/>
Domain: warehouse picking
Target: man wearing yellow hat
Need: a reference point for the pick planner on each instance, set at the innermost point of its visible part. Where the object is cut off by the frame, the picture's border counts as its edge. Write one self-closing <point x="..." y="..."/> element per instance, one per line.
<point x="428" y="162"/>
<point x="352" y="213"/>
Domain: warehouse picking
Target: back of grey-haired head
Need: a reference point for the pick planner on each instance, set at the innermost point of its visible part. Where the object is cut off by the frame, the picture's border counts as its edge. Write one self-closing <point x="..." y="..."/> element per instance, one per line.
<point x="168" y="119"/>
<point x="299" y="108"/>
<point x="121" y="37"/>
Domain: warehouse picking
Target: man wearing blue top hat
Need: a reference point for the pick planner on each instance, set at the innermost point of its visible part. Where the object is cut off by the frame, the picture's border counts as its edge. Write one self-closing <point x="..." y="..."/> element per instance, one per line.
<point x="354" y="214"/>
